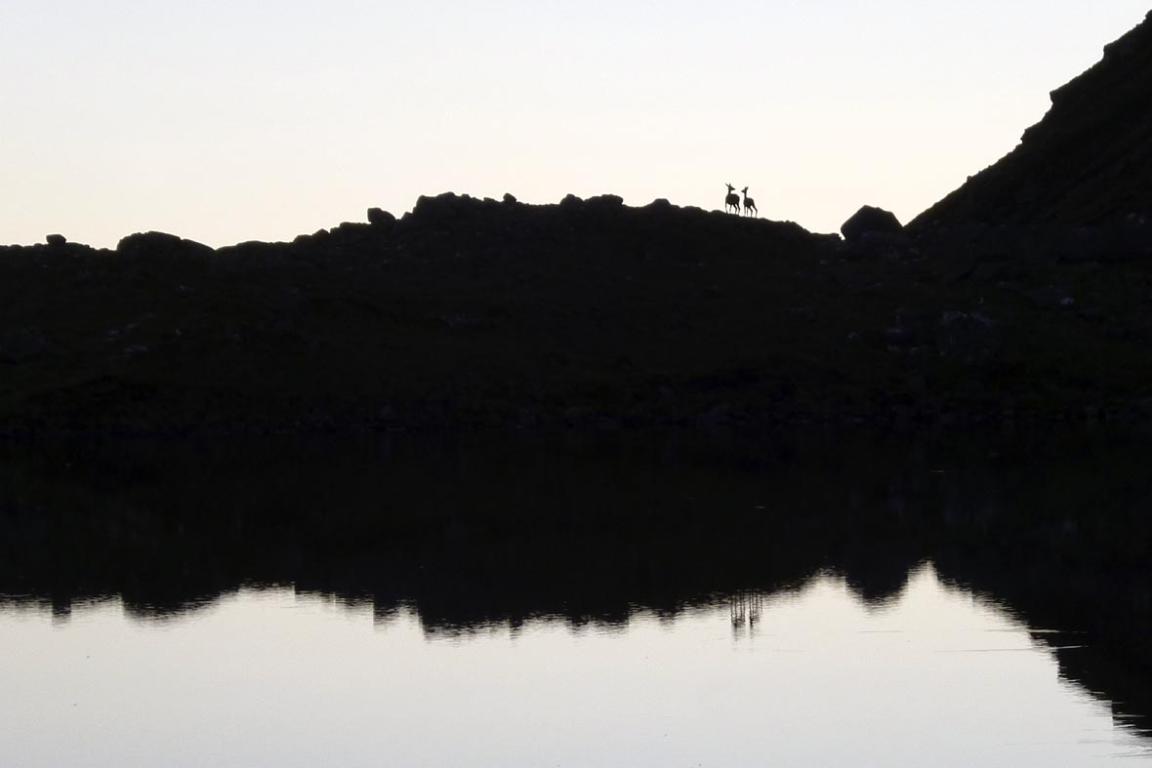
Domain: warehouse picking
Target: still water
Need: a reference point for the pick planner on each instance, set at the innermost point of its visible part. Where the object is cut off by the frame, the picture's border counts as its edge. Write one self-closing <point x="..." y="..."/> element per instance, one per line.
<point x="589" y="606"/>
<point x="812" y="677"/>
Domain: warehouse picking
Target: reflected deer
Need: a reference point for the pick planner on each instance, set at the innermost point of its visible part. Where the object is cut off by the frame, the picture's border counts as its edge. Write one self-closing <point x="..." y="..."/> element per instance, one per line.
<point x="744" y="609"/>
<point x="732" y="201"/>
<point x="750" y="205"/>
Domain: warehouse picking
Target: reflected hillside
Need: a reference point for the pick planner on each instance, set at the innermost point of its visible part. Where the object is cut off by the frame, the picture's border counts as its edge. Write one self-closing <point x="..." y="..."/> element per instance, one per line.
<point x="472" y="533"/>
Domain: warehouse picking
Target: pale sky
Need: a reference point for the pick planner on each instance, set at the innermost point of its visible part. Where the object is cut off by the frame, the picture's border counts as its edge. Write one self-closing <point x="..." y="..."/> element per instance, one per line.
<point x="232" y="120"/>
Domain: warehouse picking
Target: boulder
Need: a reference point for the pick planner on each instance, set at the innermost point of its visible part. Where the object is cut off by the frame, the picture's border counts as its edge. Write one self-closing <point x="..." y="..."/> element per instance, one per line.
<point x="152" y="244"/>
<point x="871" y="221"/>
<point x="438" y="209"/>
<point x="378" y="217"/>
<point x="57" y="240"/>
<point x="605" y="202"/>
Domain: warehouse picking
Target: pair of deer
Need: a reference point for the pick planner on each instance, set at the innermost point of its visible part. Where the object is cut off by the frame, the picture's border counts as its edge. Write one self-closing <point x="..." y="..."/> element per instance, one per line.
<point x="733" y="201"/>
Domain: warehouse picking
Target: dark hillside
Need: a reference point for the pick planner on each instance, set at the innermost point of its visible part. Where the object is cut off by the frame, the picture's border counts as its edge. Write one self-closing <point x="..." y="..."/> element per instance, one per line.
<point x="1025" y="294"/>
<point x="587" y="313"/>
<point x="463" y="312"/>
<point x="1088" y="163"/>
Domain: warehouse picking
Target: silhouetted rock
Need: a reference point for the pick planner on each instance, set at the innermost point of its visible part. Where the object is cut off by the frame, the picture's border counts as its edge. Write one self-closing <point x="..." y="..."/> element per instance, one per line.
<point x="871" y="221"/>
<point x="439" y="208"/>
<point x="605" y="202"/>
<point x="151" y="244"/>
<point x="57" y="240"/>
<point x="509" y="199"/>
<point x="352" y="233"/>
<point x="378" y="217"/>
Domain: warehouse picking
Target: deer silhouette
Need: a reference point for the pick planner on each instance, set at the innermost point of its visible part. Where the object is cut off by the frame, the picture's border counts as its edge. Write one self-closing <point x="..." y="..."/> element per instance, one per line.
<point x="750" y="204"/>
<point x="732" y="201"/>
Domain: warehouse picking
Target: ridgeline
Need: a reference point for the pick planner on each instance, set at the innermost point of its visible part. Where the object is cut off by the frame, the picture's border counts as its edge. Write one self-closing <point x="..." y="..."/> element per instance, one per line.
<point x="1027" y="294"/>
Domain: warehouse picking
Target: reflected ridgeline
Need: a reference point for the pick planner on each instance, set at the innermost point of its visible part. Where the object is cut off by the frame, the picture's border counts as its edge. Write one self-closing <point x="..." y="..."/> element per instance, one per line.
<point x="472" y="533"/>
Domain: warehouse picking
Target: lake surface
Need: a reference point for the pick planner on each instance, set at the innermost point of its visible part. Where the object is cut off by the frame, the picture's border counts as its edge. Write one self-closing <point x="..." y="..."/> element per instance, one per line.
<point x="620" y="601"/>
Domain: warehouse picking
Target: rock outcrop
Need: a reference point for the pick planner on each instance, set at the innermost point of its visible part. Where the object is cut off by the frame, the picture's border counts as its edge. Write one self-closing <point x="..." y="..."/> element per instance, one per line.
<point x="378" y="217"/>
<point x="159" y="244"/>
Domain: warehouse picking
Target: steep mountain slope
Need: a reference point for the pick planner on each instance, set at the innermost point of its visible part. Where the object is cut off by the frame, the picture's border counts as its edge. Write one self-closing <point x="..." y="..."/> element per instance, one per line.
<point x="1088" y="163"/>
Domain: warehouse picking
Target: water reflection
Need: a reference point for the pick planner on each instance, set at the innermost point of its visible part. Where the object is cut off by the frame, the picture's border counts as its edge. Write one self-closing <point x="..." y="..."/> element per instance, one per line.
<point x="744" y="608"/>
<point x="467" y="539"/>
<point x="935" y="677"/>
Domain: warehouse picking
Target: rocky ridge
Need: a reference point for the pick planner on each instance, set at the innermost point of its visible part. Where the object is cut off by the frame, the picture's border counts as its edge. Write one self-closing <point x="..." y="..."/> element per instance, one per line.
<point x="1025" y="294"/>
